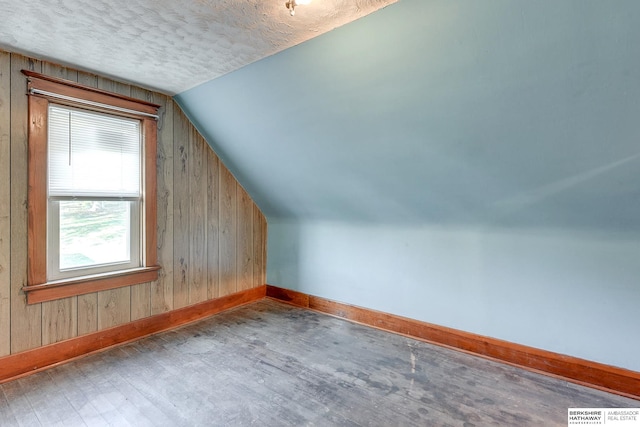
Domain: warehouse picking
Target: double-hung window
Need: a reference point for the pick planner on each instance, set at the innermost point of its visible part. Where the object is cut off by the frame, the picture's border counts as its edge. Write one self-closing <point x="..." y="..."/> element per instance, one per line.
<point x="94" y="192"/>
<point x="91" y="198"/>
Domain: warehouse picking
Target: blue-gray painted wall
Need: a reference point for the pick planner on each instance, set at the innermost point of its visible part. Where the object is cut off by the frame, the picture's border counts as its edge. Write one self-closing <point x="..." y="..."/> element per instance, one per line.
<point x="562" y="291"/>
<point x="479" y="160"/>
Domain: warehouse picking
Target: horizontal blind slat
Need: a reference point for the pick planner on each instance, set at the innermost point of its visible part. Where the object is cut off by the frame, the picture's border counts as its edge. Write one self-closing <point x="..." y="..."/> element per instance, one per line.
<point x="93" y="153"/>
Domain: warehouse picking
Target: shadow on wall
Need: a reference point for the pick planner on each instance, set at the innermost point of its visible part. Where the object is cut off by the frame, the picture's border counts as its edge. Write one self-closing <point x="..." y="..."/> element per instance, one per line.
<point x="284" y="252"/>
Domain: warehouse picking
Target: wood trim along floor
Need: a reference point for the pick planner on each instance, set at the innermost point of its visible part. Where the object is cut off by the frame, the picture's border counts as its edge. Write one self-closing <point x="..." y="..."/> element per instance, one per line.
<point x="592" y="374"/>
<point x="38" y="359"/>
<point x="584" y="372"/>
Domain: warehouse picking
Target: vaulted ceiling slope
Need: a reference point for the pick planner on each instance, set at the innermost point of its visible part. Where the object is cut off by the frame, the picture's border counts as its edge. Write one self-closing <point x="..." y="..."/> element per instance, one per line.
<point x="502" y="113"/>
<point x="166" y="45"/>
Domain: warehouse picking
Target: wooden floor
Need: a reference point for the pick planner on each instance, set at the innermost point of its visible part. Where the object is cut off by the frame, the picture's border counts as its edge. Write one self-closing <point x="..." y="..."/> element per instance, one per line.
<point x="269" y="364"/>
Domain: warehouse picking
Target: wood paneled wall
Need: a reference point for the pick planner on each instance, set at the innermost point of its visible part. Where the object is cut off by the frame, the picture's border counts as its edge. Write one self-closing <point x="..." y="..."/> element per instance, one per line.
<point x="211" y="236"/>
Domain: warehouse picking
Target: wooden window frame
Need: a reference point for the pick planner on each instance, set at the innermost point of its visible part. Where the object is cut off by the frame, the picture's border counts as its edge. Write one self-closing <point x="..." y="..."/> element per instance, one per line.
<point x="40" y="90"/>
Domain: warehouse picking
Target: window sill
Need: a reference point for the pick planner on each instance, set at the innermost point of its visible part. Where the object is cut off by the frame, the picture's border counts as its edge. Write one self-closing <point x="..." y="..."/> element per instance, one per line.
<point x="83" y="285"/>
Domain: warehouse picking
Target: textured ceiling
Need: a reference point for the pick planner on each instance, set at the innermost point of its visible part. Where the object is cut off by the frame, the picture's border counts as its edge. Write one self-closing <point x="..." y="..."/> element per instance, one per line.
<point x="501" y="113"/>
<point x="168" y="45"/>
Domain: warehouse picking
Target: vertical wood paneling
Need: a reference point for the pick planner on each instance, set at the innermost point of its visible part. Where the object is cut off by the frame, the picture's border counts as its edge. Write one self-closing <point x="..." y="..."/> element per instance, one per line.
<point x="257" y="246"/>
<point x="181" y="210"/>
<point x="211" y="237"/>
<point x="59" y="320"/>
<point x="87" y="313"/>
<point x="213" y="224"/>
<point x="26" y="320"/>
<point x="114" y="307"/>
<point x="60" y="317"/>
<point x="141" y="293"/>
<point x="140" y="301"/>
<point x="59" y="71"/>
<point x="244" y="249"/>
<point x="118" y="307"/>
<point x="197" y="212"/>
<point x="88" y="303"/>
<point x="162" y="289"/>
<point x="227" y="280"/>
<point x="87" y="79"/>
<point x="5" y="194"/>
<point x="114" y="86"/>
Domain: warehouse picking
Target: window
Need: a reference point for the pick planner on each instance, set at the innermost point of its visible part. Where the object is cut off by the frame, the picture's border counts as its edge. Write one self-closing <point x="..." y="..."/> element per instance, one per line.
<point x="92" y="205"/>
<point x="94" y="197"/>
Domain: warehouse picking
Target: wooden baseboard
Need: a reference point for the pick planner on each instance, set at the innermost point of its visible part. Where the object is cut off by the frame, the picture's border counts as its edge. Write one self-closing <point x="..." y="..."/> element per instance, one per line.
<point x="592" y="374"/>
<point x="30" y="361"/>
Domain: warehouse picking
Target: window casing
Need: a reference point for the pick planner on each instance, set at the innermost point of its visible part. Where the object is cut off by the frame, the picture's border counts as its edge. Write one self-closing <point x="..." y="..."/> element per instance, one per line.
<point x="92" y="190"/>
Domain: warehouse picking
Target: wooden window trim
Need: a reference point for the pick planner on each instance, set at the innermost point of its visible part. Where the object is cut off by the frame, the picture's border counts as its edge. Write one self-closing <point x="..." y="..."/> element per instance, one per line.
<point x="38" y="289"/>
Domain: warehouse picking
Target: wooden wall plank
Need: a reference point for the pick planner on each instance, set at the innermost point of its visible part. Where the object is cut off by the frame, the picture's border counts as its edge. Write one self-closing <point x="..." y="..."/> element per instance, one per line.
<point x="87" y="79"/>
<point x="257" y="246"/>
<point x="110" y="85"/>
<point x="5" y="200"/>
<point x="140" y="301"/>
<point x="141" y="293"/>
<point x="59" y="318"/>
<point x="55" y="70"/>
<point x="213" y="224"/>
<point x="181" y="210"/>
<point x="244" y="247"/>
<point x="162" y="289"/>
<point x="114" y="305"/>
<point x="26" y="320"/>
<point x="87" y="313"/>
<point x="228" y="207"/>
<point x="197" y="212"/>
<point x="87" y="303"/>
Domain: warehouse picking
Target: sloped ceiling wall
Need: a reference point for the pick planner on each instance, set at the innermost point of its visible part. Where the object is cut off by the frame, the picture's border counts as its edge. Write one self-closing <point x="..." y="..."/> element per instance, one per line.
<point x="502" y="113"/>
<point x="472" y="164"/>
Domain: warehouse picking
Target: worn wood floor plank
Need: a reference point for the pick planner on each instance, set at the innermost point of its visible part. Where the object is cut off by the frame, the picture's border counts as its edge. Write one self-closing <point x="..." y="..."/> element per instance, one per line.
<point x="49" y="403"/>
<point x="272" y="364"/>
<point x="70" y="381"/>
<point x="5" y="409"/>
<point x="19" y="406"/>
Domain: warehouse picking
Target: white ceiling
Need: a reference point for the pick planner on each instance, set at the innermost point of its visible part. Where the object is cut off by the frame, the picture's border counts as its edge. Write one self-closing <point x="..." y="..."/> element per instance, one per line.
<point x="167" y="45"/>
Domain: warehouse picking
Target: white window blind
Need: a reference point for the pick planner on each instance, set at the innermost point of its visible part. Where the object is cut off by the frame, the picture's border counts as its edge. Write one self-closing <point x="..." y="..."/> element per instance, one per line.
<point x="93" y="154"/>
